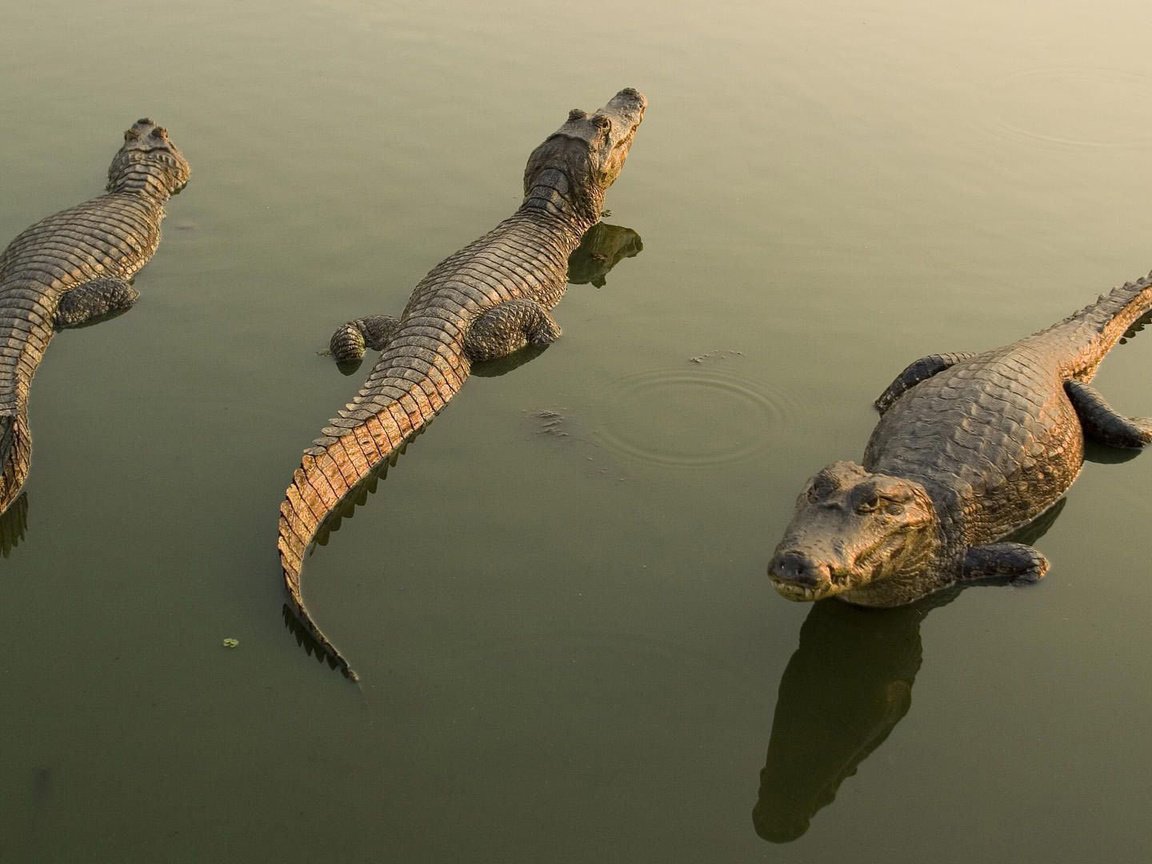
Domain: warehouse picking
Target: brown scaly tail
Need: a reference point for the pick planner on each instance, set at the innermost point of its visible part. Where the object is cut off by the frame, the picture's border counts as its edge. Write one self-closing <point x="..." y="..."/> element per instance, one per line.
<point x="1104" y="323"/>
<point x="371" y="430"/>
<point x="15" y="456"/>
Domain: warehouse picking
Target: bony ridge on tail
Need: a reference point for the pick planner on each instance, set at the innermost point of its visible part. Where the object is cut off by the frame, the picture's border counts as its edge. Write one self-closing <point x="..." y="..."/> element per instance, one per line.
<point x="484" y="302"/>
<point x="74" y="268"/>
<point x="969" y="448"/>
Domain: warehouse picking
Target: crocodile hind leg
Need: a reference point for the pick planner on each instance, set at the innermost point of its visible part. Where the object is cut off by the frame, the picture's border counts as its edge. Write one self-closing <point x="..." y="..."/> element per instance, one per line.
<point x="94" y="301"/>
<point x="508" y="327"/>
<point x="1102" y="423"/>
<point x="350" y="340"/>
<point x="914" y="373"/>
<point x="1016" y="563"/>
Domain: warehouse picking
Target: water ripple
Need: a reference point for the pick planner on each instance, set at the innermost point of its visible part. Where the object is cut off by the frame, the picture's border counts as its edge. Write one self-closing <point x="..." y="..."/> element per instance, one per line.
<point x="1077" y="106"/>
<point x="691" y="417"/>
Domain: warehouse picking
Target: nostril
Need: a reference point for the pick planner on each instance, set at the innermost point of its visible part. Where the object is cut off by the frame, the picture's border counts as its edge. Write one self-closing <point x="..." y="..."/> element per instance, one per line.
<point x="797" y="568"/>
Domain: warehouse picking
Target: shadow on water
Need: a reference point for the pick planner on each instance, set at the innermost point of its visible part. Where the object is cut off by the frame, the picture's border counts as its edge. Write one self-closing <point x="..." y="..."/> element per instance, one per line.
<point x="846" y="687"/>
<point x="602" y="248"/>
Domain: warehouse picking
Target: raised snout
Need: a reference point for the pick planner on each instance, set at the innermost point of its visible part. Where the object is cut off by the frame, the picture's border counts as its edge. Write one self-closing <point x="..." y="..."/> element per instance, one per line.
<point x="796" y="568"/>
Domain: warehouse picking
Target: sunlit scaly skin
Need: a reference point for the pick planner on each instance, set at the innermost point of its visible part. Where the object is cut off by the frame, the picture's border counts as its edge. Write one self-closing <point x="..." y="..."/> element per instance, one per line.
<point x="484" y="302"/>
<point x="970" y="447"/>
<point x="73" y="268"/>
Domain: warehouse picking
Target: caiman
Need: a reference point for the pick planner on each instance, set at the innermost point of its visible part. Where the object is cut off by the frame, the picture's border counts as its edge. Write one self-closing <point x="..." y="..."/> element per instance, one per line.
<point x="485" y="302"/>
<point x="969" y="448"/>
<point x="75" y="268"/>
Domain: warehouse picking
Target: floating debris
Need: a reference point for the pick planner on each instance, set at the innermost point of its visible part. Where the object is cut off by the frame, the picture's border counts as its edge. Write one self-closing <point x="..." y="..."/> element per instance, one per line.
<point x="719" y="354"/>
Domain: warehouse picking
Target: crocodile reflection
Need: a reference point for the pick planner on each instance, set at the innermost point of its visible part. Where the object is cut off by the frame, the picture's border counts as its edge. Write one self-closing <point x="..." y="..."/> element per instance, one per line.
<point x="13" y="524"/>
<point x="843" y="692"/>
<point x="601" y="248"/>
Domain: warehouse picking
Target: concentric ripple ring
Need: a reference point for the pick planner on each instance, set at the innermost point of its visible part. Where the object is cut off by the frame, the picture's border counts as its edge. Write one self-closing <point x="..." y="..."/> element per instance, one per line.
<point x="690" y="417"/>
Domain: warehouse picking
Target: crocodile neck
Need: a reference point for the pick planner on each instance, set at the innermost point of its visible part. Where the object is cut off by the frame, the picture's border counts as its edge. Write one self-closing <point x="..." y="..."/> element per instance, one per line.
<point x="554" y="197"/>
<point x="146" y="179"/>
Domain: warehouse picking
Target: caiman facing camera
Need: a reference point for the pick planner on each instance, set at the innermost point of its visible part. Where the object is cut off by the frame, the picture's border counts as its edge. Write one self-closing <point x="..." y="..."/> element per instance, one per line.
<point x="969" y="448"/>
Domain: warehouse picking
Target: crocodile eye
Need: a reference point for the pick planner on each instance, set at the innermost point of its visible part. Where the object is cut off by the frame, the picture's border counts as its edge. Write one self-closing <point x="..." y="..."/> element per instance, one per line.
<point x="894" y="509"/>
<point x="868" y="505"/>
<point x="822" y="486"/>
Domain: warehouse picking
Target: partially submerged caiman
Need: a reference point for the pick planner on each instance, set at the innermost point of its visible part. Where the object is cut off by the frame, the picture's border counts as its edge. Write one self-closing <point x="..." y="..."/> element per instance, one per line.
<point x="484" y="302"/>
<point x="970" y="448"/>
<point x="74" y="268"/>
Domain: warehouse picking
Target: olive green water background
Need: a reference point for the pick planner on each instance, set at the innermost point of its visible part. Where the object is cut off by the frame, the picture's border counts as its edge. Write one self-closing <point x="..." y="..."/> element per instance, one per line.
<point x="569" y="649"/>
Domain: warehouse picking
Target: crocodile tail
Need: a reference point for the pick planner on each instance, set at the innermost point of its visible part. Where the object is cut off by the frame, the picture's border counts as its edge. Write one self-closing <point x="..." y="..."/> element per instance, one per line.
<point x="1105" y="322"/>
<point x="369" y="432"/>
<point x="15" y="455"/>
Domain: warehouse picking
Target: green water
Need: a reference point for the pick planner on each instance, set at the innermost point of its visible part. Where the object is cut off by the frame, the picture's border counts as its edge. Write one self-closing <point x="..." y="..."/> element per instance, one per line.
<point x="569" y="649"/>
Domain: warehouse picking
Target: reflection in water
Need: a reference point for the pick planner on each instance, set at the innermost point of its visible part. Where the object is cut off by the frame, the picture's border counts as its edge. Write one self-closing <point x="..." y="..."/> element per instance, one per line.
<point x="13" y="524"/>
<point x="844" y="690"/>
<point x="602" y="247"/>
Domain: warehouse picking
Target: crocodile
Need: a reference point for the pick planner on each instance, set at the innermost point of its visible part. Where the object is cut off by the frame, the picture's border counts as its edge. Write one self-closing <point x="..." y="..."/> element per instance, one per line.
<point x="847" y="686"/>
<point x="969" y="448"/>
<point x="484" y="302"/>
<point x="75" y="268"/>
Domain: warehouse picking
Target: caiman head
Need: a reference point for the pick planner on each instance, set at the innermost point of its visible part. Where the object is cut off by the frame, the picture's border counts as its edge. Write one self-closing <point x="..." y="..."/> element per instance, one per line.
<point x="853" y="530"/>
<point x="148" y="161"/>
<point x="589" y="150"/>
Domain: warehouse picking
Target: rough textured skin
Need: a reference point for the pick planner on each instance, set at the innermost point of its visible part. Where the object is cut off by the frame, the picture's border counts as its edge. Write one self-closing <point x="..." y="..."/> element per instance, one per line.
<point x="970" y="447"/>
<point x="486" y="301"/>
<point x="73" y="269"/>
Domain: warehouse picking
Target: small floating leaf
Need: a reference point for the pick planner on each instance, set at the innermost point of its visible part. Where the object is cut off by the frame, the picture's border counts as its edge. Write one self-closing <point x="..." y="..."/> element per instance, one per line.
<point x="231" y="643"/>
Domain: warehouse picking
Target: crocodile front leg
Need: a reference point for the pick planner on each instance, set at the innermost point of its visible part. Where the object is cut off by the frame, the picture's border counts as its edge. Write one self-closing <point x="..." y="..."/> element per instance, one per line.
<point x="1016" y="563"/>
<point x="914" y="373"/>
<point x="1102" y="423"/>
<point x="350" y="340"/>
<point x="508" y="327"/>
<point x="94" y="301"/>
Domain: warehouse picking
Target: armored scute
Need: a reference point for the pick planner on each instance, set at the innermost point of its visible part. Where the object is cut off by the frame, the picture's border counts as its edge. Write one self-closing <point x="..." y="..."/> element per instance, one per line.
<point x="74" y="268"/>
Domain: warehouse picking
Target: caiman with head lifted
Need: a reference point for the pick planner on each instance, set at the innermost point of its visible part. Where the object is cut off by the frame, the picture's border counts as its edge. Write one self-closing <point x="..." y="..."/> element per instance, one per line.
<point x="74" y="268"/>
<point x="485" y="302"/>
<point x="969" y="448"/>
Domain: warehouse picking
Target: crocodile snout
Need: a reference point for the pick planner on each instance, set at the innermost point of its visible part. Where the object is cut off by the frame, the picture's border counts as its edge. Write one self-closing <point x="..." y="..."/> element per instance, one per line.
<point x="797" y="575"/>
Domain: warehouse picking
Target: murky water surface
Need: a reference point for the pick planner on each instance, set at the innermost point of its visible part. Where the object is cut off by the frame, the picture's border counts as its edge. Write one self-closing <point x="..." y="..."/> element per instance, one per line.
<point x="557" y="599"/>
